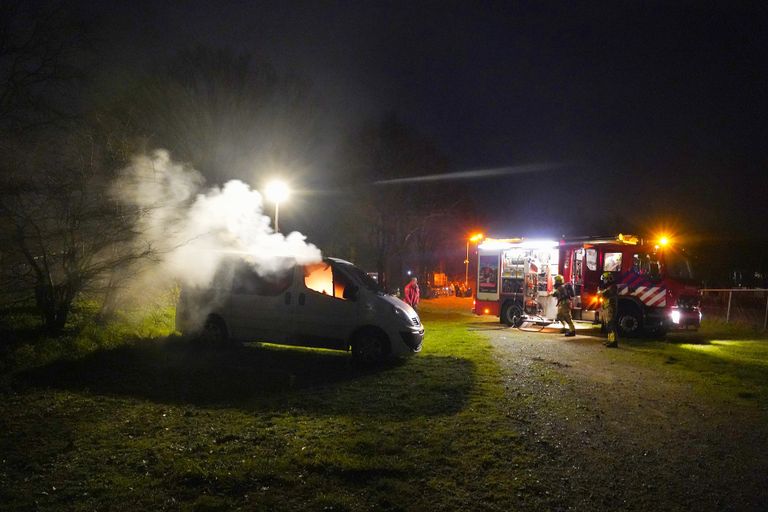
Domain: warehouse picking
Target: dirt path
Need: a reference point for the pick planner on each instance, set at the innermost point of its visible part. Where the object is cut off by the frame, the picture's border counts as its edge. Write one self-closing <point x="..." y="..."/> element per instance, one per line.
<point x="612" y="434"/>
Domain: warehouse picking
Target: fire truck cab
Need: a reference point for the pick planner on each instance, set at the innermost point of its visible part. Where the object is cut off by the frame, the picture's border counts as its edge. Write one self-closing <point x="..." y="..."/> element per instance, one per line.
<point x="656" y="291"/>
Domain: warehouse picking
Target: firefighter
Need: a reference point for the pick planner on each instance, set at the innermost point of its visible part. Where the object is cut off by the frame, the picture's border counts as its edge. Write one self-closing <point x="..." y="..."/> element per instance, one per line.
<point x="609" y="292"/>
<point x="563" y="295"/>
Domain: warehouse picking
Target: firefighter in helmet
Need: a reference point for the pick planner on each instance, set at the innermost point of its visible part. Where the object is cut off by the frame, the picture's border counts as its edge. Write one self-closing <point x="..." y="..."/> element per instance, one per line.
<point x="609" y="292"/>
<point x="563" y="295"/>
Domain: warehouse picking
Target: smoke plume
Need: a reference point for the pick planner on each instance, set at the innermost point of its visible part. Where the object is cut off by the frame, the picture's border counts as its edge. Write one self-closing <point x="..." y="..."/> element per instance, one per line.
<point x="190" y="228"/>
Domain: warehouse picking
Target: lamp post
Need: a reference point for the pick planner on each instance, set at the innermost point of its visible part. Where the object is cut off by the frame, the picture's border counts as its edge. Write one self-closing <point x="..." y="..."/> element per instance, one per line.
<point x="277" y="191"/>
<point x="474" y="238"/>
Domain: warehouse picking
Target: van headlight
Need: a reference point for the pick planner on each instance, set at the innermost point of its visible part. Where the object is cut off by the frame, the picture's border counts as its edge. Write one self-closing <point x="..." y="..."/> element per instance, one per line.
<point x="401" y="314"/>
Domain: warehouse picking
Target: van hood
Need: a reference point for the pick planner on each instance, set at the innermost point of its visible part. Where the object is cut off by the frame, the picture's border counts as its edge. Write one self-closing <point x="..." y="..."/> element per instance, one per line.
<point x="400" y="304"/>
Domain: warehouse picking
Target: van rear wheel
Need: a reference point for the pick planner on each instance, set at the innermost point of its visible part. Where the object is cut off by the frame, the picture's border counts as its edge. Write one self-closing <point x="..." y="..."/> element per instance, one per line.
<point x="214" y="332"/>
<point x="370" y="346"/>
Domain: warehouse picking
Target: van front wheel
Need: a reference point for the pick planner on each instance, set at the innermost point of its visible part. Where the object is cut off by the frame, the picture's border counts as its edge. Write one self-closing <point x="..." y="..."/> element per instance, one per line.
<point x="369" y="347"/>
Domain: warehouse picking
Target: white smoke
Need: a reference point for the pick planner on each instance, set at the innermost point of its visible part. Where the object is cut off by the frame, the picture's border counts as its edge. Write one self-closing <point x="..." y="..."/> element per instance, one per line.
<point x="191" y="229"/>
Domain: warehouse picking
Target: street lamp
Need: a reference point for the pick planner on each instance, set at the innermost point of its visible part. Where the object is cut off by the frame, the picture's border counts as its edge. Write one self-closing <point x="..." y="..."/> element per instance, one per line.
<point x="277" y="191"/>
<point x="474" y="238"/>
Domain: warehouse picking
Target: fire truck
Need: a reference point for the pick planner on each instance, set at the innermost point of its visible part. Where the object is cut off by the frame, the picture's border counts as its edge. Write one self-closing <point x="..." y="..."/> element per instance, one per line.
<point x="657" y="293"/>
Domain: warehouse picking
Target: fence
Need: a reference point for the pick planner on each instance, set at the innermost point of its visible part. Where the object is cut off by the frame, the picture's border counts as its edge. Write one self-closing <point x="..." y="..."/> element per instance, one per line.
<point x="745" y="305"/>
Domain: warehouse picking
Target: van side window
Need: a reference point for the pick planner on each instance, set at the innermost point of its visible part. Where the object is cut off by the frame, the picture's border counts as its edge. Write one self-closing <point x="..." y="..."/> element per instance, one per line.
<point x="612" y="262"/>
<point x="319" y="278"/>
<point x="341" y="285"/>
<point x="222" y="279"/>
<point x="322" y="278"/>
<point x="248" y="282"/>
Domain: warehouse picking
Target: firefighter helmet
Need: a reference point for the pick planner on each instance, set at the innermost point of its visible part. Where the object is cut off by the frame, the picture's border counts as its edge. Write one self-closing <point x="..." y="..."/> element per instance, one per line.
<point x="607" y="277"/>
<point x="558" y="280"/>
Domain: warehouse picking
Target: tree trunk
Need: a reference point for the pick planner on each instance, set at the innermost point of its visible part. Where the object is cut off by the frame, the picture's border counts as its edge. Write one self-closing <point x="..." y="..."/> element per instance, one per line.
<point x="381" y="268"/>
<point x="54" y="304"/>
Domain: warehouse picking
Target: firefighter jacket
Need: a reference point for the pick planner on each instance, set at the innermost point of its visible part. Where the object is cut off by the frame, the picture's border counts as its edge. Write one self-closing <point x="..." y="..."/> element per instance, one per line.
<point x="562" y="296"/>
<point x="610" y="296"/>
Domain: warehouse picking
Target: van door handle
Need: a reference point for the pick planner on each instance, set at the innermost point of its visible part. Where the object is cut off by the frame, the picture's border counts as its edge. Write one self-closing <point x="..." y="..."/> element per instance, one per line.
<point x="301" y="299"/>
<point x="288" y="298"/>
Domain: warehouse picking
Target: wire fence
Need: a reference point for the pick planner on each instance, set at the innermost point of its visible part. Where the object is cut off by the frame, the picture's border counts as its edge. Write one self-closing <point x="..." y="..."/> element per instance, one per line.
<point x="743" y="305"/>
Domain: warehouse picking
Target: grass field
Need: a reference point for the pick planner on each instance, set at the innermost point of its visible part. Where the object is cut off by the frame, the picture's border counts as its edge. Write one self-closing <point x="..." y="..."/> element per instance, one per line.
<point x="159" y="423"/>
<point x="729" y="361"/>
<point x="164" y="424"/>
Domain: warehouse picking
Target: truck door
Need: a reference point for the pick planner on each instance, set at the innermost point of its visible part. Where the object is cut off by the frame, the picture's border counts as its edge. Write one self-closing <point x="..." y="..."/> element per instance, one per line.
<point x="590" y="279"/>
<point x="577" y="271"/>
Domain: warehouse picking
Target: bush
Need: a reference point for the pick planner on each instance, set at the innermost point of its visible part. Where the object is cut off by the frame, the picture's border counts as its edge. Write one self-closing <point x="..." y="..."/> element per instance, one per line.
<point x="26" y="345"/>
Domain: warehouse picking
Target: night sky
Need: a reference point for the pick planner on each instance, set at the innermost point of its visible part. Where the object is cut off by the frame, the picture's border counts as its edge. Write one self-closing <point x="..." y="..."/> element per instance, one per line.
<point x="651" y="113"/>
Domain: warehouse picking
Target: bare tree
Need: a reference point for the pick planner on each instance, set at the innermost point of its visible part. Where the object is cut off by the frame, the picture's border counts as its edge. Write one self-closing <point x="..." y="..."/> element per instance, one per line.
<point x="225" y="113"/>
<point x="395" y="214"/>
<point x="63" y="233"/>
<point x="39" y="42"/>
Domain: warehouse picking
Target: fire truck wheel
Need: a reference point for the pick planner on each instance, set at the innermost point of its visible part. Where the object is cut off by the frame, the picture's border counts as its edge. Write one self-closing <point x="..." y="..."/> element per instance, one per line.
<point x="512" y="314"/>
<point x="629" y="323"/>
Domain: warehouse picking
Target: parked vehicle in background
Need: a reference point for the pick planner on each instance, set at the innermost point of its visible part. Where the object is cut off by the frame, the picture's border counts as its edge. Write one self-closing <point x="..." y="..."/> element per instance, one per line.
<point x="655" y="283"/>
<point x="332" y="304"/>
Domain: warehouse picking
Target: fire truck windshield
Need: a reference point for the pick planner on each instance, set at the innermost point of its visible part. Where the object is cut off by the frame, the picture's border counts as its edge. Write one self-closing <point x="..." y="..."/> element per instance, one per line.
<point x="677" y="266"/>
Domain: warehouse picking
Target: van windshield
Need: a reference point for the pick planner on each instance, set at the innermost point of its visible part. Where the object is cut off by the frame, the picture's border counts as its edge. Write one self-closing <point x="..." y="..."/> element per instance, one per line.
<point x="362" y="278"/>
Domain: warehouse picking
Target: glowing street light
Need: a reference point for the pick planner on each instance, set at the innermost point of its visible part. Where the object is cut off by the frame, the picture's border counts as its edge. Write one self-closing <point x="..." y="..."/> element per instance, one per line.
<point x="277" y="192"/>
<point x="662" y="242"/>
<point x="474" y="238"/>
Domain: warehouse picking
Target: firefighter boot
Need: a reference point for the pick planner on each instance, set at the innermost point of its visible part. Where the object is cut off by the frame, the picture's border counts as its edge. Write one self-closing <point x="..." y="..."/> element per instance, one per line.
<point x="570" y="333"/>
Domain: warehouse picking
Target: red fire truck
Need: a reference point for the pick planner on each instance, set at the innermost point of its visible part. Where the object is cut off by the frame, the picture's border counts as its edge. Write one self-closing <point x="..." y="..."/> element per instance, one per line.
<point x="656" y="290"/>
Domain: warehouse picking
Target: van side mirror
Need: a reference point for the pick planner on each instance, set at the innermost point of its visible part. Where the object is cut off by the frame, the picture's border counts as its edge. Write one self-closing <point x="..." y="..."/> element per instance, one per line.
<point x="351" y="292"/>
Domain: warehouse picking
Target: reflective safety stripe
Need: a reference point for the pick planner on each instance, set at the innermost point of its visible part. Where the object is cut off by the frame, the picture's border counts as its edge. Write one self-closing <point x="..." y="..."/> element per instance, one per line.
<point x="655" y="296"/>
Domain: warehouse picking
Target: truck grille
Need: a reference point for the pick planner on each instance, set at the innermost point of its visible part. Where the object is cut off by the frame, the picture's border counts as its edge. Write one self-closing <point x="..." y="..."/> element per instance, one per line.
<point x="687" y="302"/>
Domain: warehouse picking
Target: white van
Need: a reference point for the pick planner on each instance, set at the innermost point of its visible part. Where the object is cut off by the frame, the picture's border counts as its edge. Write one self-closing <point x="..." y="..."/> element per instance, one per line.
<point x="332" y="304"/>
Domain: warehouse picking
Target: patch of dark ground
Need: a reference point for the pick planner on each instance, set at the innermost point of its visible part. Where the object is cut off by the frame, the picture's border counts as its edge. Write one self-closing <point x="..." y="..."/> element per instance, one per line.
<point x="608" y="433"/>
